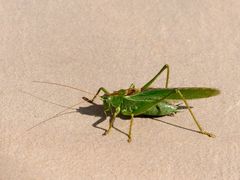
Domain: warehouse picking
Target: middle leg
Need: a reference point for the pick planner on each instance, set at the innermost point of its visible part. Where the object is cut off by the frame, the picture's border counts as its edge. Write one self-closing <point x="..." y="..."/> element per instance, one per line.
<point x="130" y="129"/>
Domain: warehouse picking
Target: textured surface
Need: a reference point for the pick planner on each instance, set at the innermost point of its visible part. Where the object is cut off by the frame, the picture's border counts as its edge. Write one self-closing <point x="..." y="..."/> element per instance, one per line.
<point x="89" y="44"/>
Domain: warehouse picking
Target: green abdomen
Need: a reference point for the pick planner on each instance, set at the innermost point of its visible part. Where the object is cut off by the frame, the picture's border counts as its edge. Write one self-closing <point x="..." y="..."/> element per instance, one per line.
<point x="161" y="109"/>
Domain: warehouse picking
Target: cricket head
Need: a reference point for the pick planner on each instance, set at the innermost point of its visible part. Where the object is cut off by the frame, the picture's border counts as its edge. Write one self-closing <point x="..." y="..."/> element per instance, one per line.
<point x="113" y="100"/>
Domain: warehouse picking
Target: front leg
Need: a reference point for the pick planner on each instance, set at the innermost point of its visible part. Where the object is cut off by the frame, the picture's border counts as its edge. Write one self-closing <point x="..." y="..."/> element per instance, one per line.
<point x="112" y="119"/>
<point x="99" y="90"/>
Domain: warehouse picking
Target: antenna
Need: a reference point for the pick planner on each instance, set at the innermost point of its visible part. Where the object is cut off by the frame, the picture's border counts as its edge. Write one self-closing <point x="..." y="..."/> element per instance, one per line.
<point x="45" y="82"/>
<point x="54" y="116"/>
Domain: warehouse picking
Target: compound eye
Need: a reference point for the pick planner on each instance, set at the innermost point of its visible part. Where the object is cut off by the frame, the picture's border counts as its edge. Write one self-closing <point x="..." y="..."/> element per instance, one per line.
<point x="108" y="98"/>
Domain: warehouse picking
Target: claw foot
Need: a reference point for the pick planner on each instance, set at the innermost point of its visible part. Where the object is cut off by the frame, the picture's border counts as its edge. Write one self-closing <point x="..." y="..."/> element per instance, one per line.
<point x="129" y="139"/>
<point x="208" y="134"/>
<point x="86" y="99"/>
<point x="104" y="134"/>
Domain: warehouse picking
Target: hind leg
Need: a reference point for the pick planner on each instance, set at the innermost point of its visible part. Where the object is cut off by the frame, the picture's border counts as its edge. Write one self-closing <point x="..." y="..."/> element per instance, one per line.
<point x="166" y="66"/>
<point x="194" y="118"/>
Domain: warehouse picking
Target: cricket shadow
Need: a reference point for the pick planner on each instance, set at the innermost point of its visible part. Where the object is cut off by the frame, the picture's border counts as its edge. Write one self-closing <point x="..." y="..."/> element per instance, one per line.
<point x="97" y="111"/>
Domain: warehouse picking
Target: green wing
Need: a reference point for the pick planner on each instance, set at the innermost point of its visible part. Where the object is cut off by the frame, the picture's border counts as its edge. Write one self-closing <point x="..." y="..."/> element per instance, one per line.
<point x="171" y="94"/>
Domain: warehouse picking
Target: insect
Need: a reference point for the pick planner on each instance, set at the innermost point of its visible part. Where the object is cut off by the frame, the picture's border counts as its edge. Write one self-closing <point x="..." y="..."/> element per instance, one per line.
<point x="150" y="101"/>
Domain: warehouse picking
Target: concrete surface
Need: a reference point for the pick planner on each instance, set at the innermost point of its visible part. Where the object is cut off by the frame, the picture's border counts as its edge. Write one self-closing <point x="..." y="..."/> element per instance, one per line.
<point x="89" y="44"/>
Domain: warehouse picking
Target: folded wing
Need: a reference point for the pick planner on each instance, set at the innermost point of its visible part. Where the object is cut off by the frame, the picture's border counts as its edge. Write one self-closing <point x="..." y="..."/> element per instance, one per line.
<point x="171" y="94"/>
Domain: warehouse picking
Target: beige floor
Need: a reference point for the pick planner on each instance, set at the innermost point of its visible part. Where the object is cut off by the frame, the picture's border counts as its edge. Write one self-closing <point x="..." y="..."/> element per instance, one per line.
<point x="89" y="44"/>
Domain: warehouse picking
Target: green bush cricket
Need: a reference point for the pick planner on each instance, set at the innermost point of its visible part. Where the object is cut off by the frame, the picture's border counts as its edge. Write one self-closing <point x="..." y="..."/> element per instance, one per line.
<point x="146" y="101"/>
<point x="150" y="101"/>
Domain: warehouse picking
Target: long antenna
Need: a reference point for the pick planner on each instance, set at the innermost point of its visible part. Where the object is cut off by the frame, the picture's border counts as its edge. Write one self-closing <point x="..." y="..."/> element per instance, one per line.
<point x="42" y="99"/>
<point x="54" y="116"/>
<point x="45" y="82"/>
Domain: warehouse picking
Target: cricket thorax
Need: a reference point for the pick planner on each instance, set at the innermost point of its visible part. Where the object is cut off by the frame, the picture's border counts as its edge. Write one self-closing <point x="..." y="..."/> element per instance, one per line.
<point x="115" y="99"/>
